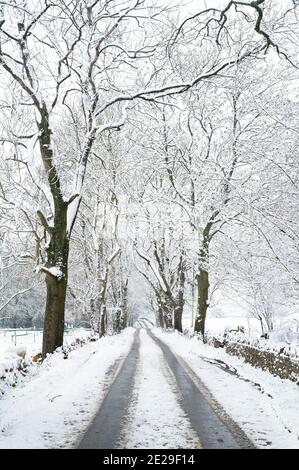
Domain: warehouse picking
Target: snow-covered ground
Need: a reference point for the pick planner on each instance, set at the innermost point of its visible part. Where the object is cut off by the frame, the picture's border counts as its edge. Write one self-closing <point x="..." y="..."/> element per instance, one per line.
<point x="218" y="325"/>
<point x="284" y="335"/>
<point x="227" y="315"/>
<point x="57" y="399"/>
<point x="54" y="403"/>
<point x="155" y="414"/>
<point x="25" y="343"/>
<point x="31" y="341"/>
<point x="264" y="406"/>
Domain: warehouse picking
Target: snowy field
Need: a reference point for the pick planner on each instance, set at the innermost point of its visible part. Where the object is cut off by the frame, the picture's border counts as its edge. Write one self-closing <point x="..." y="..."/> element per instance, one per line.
<point x="284" y="335"/>
<point x="218" y="325"/>
<point x="31" y="340"/>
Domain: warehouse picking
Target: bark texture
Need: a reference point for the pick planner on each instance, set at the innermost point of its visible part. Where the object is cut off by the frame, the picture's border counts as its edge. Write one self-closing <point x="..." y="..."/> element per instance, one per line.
<point x="57" y="257"/>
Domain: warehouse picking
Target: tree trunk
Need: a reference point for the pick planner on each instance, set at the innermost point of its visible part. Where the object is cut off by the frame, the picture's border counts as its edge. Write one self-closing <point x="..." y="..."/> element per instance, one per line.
<point x="179" y="307"/>
<point x="93" y="315"/>
<point x="103" y="321"/>
<point x="161" y="318"/>
<point x="56" y="282"/>
<point x="167" y="314"/>
<point x="124" y="309"/>
<point x="102" y="305"/>
<point x="117" y="321"/>
<point x="54" y="314"/>
<point x="202" y="279"/>
<point x="178" y="313"/>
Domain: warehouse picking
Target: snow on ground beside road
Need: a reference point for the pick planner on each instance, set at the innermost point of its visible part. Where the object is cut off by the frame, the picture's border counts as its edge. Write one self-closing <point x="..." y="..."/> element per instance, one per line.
<point x="58" y="399"/>
<point x="268" y="422"/>
<point x="154" y="413"/>
<point x="26" y="344"/>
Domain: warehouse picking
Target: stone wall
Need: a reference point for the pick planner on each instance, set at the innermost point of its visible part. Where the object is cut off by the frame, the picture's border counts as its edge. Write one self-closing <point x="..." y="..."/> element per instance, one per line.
<point x="278" y="364"/>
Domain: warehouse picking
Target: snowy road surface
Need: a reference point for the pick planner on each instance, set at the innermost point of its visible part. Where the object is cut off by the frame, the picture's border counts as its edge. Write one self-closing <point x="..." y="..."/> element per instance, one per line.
<point x="149" y="389"/>
<point x="154" y="403"/>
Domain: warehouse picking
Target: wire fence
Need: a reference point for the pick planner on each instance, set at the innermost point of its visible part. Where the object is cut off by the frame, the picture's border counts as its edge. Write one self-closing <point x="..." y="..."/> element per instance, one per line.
<point x="33" y="335"/>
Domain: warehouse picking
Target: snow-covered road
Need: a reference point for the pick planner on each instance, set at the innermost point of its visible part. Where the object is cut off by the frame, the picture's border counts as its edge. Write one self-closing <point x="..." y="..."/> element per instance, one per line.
<point x="148" y="389"/>
<point x="154" y="403"/>
<point x="155" y="418"/>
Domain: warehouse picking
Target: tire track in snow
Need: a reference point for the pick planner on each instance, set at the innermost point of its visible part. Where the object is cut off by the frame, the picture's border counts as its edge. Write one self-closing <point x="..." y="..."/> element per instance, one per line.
<point x="104" y="430"/>
<point x="215" y="429"/>
<point x="156" y="419"/>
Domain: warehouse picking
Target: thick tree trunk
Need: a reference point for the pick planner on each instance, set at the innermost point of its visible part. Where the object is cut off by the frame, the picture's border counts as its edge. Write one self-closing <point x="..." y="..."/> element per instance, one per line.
<point x="103" y="321"/>
<point x="56" y="282"/>
<point x="117" y="321"/>
<point x="54" y="314"/>
<point x="161" y="318"/>
<point x="178" y="313"/>
<point x="202" y="279"/>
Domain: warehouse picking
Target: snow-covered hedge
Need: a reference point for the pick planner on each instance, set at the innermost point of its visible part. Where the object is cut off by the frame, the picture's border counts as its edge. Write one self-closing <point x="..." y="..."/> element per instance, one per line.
<point x="13" y="366"/>
<point x="15" y="362"/>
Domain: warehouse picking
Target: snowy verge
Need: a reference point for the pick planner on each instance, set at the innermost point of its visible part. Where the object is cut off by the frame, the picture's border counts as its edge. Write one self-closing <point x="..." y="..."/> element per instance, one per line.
<point x="16" y="361"/>
<point x="265" y="407"/>
<point x="58" y="399"/>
